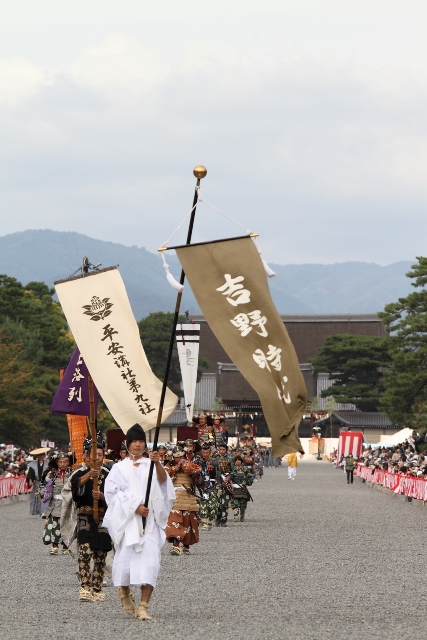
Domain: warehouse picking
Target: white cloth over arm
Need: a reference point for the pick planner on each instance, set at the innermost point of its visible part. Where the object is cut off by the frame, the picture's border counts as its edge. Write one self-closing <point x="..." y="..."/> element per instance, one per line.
<point x="137" y="558"/>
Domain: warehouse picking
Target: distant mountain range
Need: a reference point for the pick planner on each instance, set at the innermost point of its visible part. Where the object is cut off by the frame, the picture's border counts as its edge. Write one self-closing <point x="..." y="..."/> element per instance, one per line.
<point x="350" y="287"/>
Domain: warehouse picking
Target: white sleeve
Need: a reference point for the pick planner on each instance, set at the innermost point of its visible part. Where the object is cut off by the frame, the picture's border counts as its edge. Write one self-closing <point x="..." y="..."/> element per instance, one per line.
<point x="121" y="504"/>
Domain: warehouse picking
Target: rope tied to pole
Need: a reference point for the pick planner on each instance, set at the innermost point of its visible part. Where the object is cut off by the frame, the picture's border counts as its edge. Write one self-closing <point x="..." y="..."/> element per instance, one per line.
<point x="197" y="191"/>
<point x="170" y="278"/>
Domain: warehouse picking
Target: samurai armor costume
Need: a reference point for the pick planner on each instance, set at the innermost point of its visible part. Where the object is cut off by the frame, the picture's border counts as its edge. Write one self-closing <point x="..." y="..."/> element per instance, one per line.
<point x="209" y="499"/>
<point x="226" y="466"/>
<point x="241" y="478"/>
<point x="137" y="551"/>
<point x="182" y="526"/>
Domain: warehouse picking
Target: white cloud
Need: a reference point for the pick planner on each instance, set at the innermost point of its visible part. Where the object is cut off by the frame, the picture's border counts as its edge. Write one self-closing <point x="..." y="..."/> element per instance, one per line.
<point x="19" y="78"/>
<point x="311" y="150"/>
<point x="119" y="61"/>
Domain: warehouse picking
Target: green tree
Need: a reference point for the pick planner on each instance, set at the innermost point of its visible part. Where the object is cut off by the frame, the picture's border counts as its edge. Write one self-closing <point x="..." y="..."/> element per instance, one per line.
<point x="30" y="312"/>
<point x="354" y="364"/>
<point x="22" y="408"/>
<point x="36" y="341"/>
<point x="314" y="404"/>
<point x="419" y="418"/>
<point x="155" y="332"/>
<point x="217" y="404"/>
<point x="405" y="381"/>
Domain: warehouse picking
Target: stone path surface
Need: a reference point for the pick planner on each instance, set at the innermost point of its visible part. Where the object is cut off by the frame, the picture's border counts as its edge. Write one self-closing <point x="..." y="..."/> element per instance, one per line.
<point x="315" y="559"/>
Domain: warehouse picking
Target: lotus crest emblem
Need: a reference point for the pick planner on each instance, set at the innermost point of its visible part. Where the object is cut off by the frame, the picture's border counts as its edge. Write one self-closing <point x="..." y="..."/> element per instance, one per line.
<point x="98" y="309"/>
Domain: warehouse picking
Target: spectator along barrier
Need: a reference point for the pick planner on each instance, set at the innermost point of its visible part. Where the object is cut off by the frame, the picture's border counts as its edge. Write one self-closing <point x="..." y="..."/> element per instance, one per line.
<point x="400" y="484"/>
<point x="13" y="487"/>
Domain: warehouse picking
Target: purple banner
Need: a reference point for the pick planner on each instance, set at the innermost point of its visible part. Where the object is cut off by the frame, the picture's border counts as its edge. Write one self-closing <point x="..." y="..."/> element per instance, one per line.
<point x="72" y="395"/>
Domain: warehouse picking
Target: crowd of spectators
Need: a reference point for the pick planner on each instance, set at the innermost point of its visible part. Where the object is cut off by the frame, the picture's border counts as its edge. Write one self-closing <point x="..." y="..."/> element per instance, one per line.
<point x="13" y="464"/>
<point x="406" y="459"/>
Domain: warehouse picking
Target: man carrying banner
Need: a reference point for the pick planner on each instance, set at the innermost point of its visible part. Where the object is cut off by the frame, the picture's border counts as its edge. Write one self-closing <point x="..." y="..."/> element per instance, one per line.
<point x="137" y="557"/>
<point x="92" y="537"/>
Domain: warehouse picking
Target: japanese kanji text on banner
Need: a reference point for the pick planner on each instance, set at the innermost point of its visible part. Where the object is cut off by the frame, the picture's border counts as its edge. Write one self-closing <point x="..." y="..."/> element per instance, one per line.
<point x="72" y="395"/>
<point x="233" y="294"/>
<point x="98" y="311"/>
<point x="187" y="342"/>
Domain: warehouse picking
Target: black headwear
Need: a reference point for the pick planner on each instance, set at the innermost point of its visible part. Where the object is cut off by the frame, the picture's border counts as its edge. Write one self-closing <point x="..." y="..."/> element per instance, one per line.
<point x="53" y="462"/>
<point x="100" y="444"/>
<point x="135" y="433"/>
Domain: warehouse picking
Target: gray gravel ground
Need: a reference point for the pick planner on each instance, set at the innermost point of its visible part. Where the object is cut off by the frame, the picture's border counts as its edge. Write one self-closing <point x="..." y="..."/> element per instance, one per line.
<point x="315" y="559"/>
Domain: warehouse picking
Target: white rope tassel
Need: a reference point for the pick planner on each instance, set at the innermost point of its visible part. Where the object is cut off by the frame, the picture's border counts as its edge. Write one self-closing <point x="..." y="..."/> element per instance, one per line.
<point x="270" y="273"/>
<point x="169" y="277"/>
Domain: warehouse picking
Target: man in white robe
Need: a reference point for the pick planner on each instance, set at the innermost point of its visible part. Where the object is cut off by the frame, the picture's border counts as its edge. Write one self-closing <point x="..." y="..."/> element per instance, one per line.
<point x="137" y="551"/>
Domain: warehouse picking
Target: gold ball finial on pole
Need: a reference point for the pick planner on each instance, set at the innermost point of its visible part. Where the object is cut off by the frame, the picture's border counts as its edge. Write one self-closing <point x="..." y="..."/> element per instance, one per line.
<point x="200" y="171"/>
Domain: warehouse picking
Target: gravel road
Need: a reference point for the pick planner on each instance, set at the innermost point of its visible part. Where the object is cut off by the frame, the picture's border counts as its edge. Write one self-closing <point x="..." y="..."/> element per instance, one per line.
<point x="315" y="559"/>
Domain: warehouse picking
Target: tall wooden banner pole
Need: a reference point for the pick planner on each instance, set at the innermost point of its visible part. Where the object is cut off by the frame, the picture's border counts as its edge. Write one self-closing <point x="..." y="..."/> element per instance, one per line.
<point x="93" y="453"/>
<point x="199" y="172"/>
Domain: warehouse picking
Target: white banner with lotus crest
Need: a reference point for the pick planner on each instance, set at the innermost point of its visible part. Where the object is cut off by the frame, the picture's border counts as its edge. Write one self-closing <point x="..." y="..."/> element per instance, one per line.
<point x="101" y="320"/>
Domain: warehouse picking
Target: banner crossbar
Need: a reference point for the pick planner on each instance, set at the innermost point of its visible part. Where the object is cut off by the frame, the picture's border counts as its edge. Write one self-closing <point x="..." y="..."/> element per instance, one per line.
<point x="198" y="244"/>
<point x="86" y="275"/>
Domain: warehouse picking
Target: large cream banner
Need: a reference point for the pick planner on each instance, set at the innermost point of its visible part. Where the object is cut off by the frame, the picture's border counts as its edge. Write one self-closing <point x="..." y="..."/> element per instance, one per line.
<point x="230" y="284"/>
<point x="101" y="320"/>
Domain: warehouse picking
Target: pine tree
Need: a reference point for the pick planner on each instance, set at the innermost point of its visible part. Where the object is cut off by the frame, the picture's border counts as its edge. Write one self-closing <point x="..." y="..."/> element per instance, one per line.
<point x="354" y="364"/>
<point x="405" y="381"/>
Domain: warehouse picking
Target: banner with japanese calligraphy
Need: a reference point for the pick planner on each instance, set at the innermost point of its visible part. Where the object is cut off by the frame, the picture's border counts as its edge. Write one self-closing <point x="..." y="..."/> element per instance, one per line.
<point x="230" y="284"/>
<point x="187" y="341"/>
<point x="72" y="395"/>
<point x="100" y="317"/>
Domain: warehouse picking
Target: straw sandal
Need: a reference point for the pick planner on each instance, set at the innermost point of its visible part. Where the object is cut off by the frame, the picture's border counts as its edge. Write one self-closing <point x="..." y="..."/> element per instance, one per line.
<point x="84" y="595"/>
<point x="141" y="613"/>
<point x="175" y="551"/>
<point x="127" y="601"/>
<point x="98" y="596"/>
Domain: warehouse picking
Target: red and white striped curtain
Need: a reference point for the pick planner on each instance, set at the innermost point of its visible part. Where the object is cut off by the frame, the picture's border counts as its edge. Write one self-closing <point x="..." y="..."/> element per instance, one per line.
<point x="349" y="442"/>
<point x="13" y="486"/>
<point x="406" y="485"/>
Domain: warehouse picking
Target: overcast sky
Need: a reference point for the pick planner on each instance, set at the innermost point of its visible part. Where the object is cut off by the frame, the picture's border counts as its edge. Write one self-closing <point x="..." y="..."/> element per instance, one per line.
<point x="309" y="115"/>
